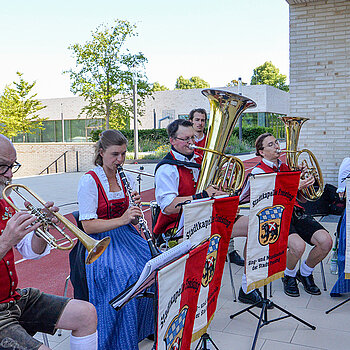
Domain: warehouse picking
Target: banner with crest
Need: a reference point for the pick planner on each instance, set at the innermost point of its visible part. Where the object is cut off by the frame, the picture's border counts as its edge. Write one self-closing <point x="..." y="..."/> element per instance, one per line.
<point x="211" y="219"/>
<point x="179" y="284"/>
<point x="272" y="198"/>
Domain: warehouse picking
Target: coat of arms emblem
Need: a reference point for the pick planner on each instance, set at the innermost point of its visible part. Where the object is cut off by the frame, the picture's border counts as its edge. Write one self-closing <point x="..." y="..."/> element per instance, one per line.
<point x="270" y="224"/>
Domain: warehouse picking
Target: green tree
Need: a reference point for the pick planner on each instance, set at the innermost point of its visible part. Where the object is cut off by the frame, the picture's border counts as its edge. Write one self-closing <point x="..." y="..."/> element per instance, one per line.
<point x="104" y="74"/>
<point x="268" y="74"/>
<point x="18" y="109"/>
<point x="234" y="82"/>
<point x="157" y="87"/>
<point x="192" y="83"/>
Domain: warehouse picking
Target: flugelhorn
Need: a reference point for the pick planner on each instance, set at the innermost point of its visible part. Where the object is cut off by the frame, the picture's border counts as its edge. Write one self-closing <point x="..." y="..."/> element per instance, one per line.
<point x="94" y="247"/>
<point x="309" y="166"/>
<point x="218" y="168"/>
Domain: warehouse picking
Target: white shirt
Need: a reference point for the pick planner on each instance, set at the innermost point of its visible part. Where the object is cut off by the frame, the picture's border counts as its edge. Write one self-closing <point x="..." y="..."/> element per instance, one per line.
<point x="256" y="171"/>
<point x="25" y="248"/>
<point x="167" y="180"/>
<point x="88" y="192"/>
<point x="344" y="171"/>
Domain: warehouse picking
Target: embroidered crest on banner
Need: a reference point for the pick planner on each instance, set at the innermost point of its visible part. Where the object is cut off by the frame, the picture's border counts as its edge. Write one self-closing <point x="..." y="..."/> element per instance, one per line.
<point x="270" y="224"/>
<point x="173" y="335"/>
<point x="210" y="263"/>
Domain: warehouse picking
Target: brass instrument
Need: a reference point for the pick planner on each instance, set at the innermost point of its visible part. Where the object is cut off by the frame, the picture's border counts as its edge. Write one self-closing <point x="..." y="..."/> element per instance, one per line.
<point x="309" y="165"/>
<point x="218" y="168"/>
<point x="94" y="247"/>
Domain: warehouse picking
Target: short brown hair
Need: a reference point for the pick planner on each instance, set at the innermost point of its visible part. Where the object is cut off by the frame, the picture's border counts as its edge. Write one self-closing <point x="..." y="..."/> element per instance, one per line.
<point x="197" y="110"/>
<point x="108" y="138"/>
<point x="259" y="141"/>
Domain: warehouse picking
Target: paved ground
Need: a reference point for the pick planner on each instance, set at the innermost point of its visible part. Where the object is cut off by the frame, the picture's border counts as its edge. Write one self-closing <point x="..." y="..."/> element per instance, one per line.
<point x="332" y="330"/>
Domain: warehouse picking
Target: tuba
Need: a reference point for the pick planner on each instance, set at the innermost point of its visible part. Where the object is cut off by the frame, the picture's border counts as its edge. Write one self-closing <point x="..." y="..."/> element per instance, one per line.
<point x="220" y="169"/>
<point x="94" y="247"/>
<point x="302" y="158"/>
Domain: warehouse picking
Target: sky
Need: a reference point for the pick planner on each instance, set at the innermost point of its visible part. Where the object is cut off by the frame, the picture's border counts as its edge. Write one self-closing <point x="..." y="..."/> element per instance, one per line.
<point x="217" y="40"/>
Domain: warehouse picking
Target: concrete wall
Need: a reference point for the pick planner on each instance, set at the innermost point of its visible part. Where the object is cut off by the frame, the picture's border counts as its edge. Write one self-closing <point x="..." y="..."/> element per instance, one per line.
<point x="181" y="102"/>
<point x="35" y="157"/>
<point x="176" y="102"/>
<point x="320" y="78"/>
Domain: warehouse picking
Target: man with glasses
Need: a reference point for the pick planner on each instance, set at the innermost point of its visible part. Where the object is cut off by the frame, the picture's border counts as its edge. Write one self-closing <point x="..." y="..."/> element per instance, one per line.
<point x="303" y="228"/>
<point x="176" y="176"/>
<point x="23" y="312"/>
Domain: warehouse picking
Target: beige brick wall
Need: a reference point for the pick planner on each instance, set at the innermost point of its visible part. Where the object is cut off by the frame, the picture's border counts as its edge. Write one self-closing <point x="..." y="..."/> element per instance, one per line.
<point x="320" y="79"/>
<point x="35" y="157"/>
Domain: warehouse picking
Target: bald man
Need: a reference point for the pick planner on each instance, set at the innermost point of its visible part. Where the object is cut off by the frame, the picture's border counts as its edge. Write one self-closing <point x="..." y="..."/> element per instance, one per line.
<point x="23" y="312"/>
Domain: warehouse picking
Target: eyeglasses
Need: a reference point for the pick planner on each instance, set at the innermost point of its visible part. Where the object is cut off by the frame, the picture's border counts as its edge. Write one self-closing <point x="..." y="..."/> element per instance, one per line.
<point x="188" y="139"/>
<point x="272" y="144"/>
<point x="4" y="168"/>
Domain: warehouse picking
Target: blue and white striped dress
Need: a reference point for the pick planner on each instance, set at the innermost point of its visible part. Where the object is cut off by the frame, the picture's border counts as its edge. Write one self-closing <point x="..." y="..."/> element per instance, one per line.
<point x="116" y="269"/>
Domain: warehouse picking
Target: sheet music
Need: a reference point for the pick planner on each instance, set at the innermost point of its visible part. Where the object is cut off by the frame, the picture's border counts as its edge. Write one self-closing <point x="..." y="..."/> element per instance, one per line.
<point x="147" y="274"/>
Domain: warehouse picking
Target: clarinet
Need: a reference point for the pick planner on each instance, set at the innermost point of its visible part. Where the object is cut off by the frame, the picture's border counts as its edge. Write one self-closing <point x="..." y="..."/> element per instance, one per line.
<point x="142" y="222"/>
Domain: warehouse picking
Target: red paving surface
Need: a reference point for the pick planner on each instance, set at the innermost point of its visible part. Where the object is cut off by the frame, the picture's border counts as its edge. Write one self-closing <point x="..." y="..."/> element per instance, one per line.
<point x="49" y="273"/>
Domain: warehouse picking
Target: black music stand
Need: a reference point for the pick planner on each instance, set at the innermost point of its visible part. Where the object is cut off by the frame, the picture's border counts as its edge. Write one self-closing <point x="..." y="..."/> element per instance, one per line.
<point x="263" y="319"/>
<point x="338" y="305"/>
<point x="203" y="342"/>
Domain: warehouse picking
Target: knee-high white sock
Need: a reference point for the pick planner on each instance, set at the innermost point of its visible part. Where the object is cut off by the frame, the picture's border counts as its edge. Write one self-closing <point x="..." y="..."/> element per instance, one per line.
<point x="305" y="270"/>
<point x="291" y="273"/>
<point x="88" y="342"/>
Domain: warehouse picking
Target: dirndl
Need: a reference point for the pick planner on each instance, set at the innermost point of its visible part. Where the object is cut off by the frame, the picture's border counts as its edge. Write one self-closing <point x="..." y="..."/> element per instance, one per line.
<point x="117" y="268"/>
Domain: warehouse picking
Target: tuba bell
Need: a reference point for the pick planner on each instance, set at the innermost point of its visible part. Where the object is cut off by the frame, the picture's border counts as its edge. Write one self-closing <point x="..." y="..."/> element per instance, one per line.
<point x="94" y="247"/>
<point x="218" y="168"/>
<point x="302" y="158"/>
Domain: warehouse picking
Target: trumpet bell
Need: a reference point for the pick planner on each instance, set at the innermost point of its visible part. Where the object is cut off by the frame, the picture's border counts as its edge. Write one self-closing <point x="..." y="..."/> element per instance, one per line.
<point x="94" y="247"/>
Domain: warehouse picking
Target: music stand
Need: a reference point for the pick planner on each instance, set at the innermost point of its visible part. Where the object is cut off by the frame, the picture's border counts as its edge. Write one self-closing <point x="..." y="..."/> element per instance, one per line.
<point x="205" y="338"/>
<point x="263" y="319"/>
<point x="338" y="305"/>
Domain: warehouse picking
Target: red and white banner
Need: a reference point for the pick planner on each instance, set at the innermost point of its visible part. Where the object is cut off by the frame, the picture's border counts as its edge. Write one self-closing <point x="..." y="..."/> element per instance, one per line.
<point x="347" y="244"/>
<point x="211" y="219"/>
<point x="272" y="198"/>
<point x="179" y="284"/>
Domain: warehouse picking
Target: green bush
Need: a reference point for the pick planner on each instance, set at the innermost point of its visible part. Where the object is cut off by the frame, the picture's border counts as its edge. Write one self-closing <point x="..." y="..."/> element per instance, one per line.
<point x="156" y="140"/>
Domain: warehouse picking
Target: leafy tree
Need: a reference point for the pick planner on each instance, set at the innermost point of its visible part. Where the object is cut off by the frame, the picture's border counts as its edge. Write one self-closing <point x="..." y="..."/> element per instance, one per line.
<point x="18" y="109"/>
<point x="157" y="87"/>
<point x="192" y="83"/>
<point x="234" y="82"/>
<point x="104" y="74"/>
<point x="268" y="74"/>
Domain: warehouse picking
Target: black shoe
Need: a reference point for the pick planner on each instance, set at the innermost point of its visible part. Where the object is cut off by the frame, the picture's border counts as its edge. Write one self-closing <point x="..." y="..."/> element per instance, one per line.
<point x="290" y="286"/>
<point x="252" y="298"/>
<point x="151" y="337"/>
<point x="236" y="258"/>
<point x="308" y="283"/>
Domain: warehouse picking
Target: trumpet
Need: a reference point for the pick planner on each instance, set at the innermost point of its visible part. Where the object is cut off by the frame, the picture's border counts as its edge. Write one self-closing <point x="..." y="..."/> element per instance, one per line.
<point x="94" y="247"/>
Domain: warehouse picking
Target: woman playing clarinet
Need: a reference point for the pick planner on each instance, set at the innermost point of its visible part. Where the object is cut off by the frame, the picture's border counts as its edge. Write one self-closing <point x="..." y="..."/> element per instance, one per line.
<point x="104" y="210"/>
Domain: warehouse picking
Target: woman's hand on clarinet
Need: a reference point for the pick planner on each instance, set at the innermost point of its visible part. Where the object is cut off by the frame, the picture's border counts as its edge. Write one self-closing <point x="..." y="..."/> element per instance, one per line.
<point x="131" y="215"/>
<point x="136" y="197"/>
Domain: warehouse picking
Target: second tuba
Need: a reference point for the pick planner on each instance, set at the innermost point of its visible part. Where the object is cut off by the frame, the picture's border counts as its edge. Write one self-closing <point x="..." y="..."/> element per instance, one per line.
<point x="302" y="158"/>
<point x="218" y="168"/>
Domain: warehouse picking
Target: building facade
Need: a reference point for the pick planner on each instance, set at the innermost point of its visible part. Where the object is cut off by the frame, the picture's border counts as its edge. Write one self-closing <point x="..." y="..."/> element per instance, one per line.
<point x="320" y="78"/>
<point x="64" y="125"/>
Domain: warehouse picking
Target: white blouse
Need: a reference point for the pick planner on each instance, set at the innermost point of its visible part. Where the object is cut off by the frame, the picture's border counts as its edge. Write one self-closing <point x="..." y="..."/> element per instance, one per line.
<point x="88" y="192"/>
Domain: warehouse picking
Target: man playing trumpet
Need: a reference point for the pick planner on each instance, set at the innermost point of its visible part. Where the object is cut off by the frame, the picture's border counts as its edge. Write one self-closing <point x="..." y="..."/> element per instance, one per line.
<point x="23" y="312"/>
